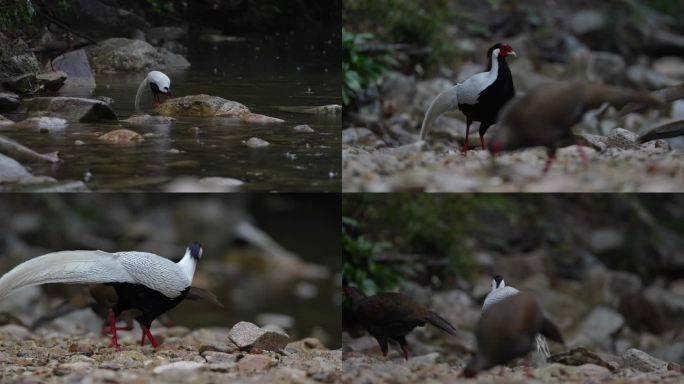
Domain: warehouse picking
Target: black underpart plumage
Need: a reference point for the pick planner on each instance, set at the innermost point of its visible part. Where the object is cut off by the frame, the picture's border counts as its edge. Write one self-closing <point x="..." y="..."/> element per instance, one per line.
<point x="150" y="302"/>
<point x="492" y="98"/>
<point x="155" y="89"/>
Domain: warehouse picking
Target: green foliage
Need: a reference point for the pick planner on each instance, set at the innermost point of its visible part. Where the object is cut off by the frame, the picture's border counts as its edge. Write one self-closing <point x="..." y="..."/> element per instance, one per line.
<point x="417" y="23"/>
<point x="360" y="69"/>
<point x="360" y="265"/>
<point x="15" y="14"/>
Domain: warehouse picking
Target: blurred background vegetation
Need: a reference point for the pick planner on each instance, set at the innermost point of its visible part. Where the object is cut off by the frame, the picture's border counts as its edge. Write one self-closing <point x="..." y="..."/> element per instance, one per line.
<point x="421" y="35"/>
<point x="251" y="281"/>
<point x="445" y="241"/>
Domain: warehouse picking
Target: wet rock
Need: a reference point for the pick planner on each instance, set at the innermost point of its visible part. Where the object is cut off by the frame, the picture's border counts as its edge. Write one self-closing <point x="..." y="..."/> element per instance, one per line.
<point x="11" y="170"/>
<point x="179" y="369"/>
<point x="5" y="121"/>
<point x="223" y="183"/>
<point x="642" y="361"/>
<point x="75" y="65"/>
<point x="332" y="109"/>
<point x="149" y="120"/>
<point x="249" y="336"/>
<point x="189" y="184"/>
<point x="72" y="109"/>
<point x="80" y="368"/>
<point x="42" y="124"/>
<point x="52" y="81"/>
<point x="22" y="84"/>
<point x="128" y="55"/>
<point x="17" y="151"/>
<point x="121" y="136"/>
<point x="256" y="142"/>
<point x="303" y="129"/>
<point x="206" y="105"/>
<point x="8" y="101"/>
<point x="253" y="363"/>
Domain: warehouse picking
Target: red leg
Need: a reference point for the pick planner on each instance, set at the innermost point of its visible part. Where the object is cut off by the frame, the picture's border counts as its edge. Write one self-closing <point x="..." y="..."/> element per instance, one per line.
<point x="149" y="336"/>
<point x="465" y="144"/>
<point x="549" y="160"/>
<point x="482" y="141"/>
<point x="528" y="370"/>
<point x="112" y="328"/>
<point x="406" y="352"/>
<point x="583" y="157"/>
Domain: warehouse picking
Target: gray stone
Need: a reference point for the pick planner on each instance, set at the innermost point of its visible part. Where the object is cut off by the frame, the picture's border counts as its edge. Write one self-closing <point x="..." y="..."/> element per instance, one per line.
<point x="80" y="368"/>
<point x="600" y="326"/>
<point x="8" y="101"/>
<point x="75" y="65"/>
<point x="642" y="361"/>
<point x="179" y="369"/>
<point x="72" y="109"/>
<point x="667" y="304"/>
<point x="11" y="170"/>
<point x="357" y="135"/>
<point x="587" y="21"/>
<point x="42" y="124"/>
<point x="256" y="142"/>
<point x="128" y="55"/>
<point x="249" y="336"/>
<point x="303" y="129"/>
<point x="670" y="66"/>
<point x="16" y="58"/>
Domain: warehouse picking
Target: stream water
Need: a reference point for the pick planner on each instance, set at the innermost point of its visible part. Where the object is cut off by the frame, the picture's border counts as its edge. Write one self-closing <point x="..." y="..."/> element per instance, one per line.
<point x="260" y="73"/>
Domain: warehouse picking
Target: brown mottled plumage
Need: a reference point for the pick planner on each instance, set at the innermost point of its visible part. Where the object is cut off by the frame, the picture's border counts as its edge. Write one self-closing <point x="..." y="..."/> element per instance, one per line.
<point x="392" y="315"/>
<point x="507" y="329"/>
<point x="546" y="115"/>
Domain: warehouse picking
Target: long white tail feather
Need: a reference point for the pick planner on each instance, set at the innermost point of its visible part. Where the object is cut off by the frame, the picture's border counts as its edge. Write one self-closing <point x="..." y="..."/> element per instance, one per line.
<point x="97" y="267"/>
<point x="141" y="88"/>
<point x="542" y="347"/>
<point x="443" y="102"/>
<point x="87" y="267"/>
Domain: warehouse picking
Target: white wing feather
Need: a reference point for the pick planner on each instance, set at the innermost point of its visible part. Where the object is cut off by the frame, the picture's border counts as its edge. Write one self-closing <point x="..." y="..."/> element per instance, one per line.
<point x="154" y="272"/>
<point x="498" y="295"/>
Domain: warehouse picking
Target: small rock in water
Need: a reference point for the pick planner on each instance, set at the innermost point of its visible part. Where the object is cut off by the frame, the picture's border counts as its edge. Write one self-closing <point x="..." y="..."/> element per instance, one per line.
<point x="303" y="129"/>
<point x="121" y="136"/>
<point x="79" y="142"/>
<point x="42" y="124"/>
<point x="174" y="151"/>
<point x="249" y="336"/>
<point x="256" y="142"/>
<point x="253" y="363"/>
<point x="221" y="182"/>
<point x="52" y="81"/>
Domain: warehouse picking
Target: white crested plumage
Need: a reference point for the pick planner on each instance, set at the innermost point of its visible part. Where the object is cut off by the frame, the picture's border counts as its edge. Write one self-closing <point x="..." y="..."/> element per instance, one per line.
<point x="160" y="79"/>
<point x="470" y="89"/>
<point x="501" y="291"/>
<point x="98" y="267"/>
<point x="497" y="295"/>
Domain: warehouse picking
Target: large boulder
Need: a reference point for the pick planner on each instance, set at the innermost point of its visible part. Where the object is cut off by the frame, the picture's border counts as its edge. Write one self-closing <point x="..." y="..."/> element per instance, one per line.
<point x="72" y="109"/>
<point x="206" y="105"/>
<point x="75" y="65"/>
<point x="129" y="55"/>
<point x="100" y="20"/>
<point x="16" y="58"/>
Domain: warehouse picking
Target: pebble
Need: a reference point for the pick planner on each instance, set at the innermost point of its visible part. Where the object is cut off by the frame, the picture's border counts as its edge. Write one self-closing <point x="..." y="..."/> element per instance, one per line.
<point x="256" y="142"/>
<point x="79" y="367"/>
<point x="178" y="368"/>
<point x="249" y="336"/>
<point x="84" y="348"/>
<point x="253" y="363"/>
<point x="642" y="361"/>
<point x="303" y="129"/>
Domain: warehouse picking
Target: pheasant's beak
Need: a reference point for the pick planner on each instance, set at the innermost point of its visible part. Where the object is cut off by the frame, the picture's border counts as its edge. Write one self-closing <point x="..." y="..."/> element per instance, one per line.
<point x="512" y="53"/>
